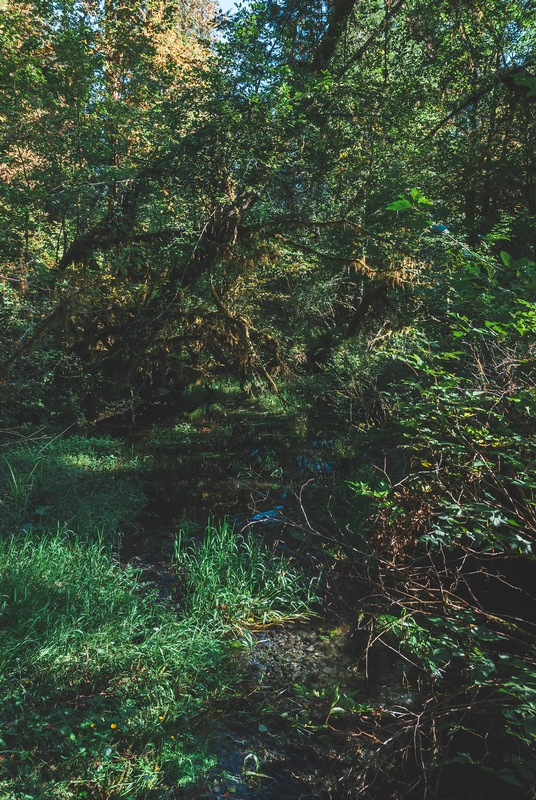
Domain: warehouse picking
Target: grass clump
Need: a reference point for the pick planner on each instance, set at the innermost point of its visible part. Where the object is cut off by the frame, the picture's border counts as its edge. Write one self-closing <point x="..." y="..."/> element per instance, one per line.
<point x="85" y="484"/>
<point x="231" y="578"/>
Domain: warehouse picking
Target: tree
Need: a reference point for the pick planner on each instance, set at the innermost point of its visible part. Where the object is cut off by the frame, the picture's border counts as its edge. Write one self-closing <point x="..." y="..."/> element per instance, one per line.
<point x="174" y="182"/>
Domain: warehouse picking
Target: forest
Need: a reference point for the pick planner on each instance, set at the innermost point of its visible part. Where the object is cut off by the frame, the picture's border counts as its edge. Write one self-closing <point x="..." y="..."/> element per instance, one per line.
<point x="267" y="399"/>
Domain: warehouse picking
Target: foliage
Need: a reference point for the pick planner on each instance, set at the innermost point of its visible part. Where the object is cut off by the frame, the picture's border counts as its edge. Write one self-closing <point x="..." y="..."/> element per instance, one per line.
<point x="331" y="203"/>
<point x="170" y="197"/>
<point x="81" y="485"/>
<point x="97" y="676"/>
<point x="454" y="500"/>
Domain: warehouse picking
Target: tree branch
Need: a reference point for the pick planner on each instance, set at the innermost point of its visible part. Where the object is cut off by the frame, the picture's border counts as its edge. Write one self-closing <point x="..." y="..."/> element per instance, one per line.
<point x="328" y="44"/>
<point x="358" y="55"/>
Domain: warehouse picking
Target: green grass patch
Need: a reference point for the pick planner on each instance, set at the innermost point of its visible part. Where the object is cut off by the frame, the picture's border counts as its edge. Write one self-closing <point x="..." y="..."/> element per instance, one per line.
<point x="99" y="680"/>
<point x="231" y="578"/>
<point x="86" y="485"/>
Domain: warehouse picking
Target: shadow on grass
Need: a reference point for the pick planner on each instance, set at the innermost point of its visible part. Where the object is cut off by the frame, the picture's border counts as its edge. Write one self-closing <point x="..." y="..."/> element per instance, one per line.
<point x="101" y="681"/>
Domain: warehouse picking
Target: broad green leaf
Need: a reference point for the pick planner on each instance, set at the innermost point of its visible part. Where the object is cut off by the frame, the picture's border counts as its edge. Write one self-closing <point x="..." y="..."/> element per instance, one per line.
<point x="399" y="205"/>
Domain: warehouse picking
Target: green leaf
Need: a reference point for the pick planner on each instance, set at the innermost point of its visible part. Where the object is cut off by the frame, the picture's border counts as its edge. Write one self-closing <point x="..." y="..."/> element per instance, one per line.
<point x="529" y="81"/>
<point x="521" y="263"/>
<point x="398" y="205"/>
<point x="43" y="509"/>
<point x="418" y="197"/>
<point x="510" y="777"/>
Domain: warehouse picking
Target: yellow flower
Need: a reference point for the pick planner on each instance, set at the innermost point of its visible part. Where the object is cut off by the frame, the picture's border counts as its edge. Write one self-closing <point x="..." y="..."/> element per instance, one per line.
<point x="160" y="717"/>
<point x="113" y="725"/>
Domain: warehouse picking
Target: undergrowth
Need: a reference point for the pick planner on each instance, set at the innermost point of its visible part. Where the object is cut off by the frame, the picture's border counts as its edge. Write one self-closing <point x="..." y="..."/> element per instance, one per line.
<point x="231" y="578"/>
<point x="101" y="681"/>
<point x="98" y="678"/>
<point x="87" y="485"/>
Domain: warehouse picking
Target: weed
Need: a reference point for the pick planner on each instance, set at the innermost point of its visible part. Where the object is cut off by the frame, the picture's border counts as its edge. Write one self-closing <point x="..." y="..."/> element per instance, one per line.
<point x="19" y="487"/>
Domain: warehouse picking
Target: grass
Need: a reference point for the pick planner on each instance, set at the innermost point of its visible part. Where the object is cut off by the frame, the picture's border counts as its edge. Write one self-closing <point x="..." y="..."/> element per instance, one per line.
<point x="231" y="578"/>
<point x="101" y="682"/>
<point x="98" y="678"/>
<point x="84" y="484"/>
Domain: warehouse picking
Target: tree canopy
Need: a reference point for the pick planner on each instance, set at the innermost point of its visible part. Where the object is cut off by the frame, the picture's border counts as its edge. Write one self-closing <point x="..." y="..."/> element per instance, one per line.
<point x="163" y="178"/>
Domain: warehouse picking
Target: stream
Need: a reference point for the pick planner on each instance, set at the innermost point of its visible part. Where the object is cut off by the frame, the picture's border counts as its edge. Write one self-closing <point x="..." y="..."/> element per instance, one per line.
<point x="308" y="710"/>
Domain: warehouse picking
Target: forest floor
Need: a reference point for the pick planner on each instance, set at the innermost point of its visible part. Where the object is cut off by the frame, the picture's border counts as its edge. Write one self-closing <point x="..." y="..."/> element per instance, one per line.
<point x="312" y="696"/>
<point x="124" y="677"/>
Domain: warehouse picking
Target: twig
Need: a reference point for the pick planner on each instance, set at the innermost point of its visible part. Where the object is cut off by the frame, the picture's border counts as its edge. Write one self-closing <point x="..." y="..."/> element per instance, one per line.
<point x="57" y="437"/>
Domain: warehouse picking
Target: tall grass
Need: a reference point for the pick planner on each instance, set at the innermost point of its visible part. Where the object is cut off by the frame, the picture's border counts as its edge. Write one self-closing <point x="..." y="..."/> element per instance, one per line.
<point x="232" y="578"/>
<point x="88" y="485"/>
<point x="98" y="678"/>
